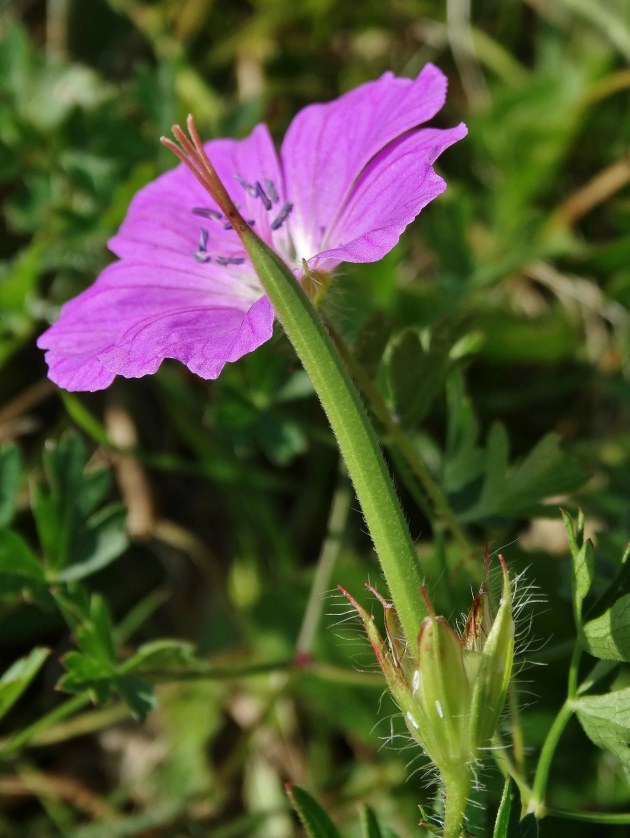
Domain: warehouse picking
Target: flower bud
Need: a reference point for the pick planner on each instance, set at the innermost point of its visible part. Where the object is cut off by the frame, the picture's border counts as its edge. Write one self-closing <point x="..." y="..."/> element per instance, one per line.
<point x="441" y="692"/>
<point x="452" y="693"/>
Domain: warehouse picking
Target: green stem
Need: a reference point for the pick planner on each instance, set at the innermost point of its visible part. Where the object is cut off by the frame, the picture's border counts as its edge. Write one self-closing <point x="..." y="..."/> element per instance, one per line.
<point x="590" y="817"/>
<point x="11" y="746"/>
<point x="457" y="787"/>
<point x="337" y="519"/>
<point x="539" y="786"/>
<point x="355" y="436"/>
<point x="402" y="442"/>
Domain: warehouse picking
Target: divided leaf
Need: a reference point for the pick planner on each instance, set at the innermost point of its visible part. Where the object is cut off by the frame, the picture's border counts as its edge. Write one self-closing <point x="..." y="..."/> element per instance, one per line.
<point x="77" y="537"/>
<point x="520" y="489"/>
<point x="95" y="667"/>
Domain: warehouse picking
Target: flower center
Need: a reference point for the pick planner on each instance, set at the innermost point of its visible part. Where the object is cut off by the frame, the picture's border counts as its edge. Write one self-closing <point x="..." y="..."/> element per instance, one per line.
<point x="268" y="196"/>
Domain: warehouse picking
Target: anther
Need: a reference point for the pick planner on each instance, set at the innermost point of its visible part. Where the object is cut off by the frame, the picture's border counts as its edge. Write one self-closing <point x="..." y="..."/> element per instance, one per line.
<point x="204" y="212"/>
<point x="281" y="217"/>
<point x="271" y="190"/>
<point x="229" y="260"/>
<point x="201" y="255"/>
<point x="260" y="193"/>
<point x="251" y="190"/>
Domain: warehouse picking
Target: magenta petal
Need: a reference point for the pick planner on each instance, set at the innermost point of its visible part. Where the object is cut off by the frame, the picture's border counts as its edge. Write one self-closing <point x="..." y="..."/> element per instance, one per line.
<point x="123" y="325"/>
<point x="160" y="223"/>
<point x="328" y="145"/>
<point x="393" y="188"/>
<point x="354" y="173"/>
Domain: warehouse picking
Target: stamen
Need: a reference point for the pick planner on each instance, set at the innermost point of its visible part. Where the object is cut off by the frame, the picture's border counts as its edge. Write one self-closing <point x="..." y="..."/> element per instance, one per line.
<point x="271" y="189"/>
<point x="251" y="190"/>
<point x="201" y="255"/>
<point x="255" y="190"/>
<point x="260" y="192"/>
<point x="281" y="217"/>
<point x="229" y="260"/>
<point x="204" y="212"/>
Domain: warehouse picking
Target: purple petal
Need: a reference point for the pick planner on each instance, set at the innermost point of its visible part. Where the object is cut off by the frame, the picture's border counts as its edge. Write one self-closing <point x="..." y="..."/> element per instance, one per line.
<point x="391" y="191"/>
<point x="160" y="224"/>
<point x="126" y="324"/>
<point x="328" y="145"/>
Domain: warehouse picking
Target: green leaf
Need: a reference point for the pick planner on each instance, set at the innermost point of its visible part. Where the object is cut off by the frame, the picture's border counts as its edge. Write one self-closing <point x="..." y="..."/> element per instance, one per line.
<point x="161" y="654"/>
<point x="18" y="676"/>
<point x="315" y="820"/>
<point x="416" y="375"/>
<point x="606" y="721"/>
<point x="464" y="458"/>
<point x="507" y="824"/>
<point x="371" y="827"/>
<point x="10" y="476"/>
<point x="520" y="489"/>
<point x="21" y="572"/>
<point x="95" y="635"/>
<point x="583" y="556"/>
<point x="77" y="537"/>
<point x="137" y="694"/>
<point x="371" y="342"/>
<point x="608" y="636"/>
<point x="17" y="560"/>
<point x="101" y="542"/>
<point x="86" y="673"/>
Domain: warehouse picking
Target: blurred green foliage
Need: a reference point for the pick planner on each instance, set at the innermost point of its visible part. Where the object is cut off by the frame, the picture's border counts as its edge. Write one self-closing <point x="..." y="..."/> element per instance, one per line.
<point x="497" y="333"/>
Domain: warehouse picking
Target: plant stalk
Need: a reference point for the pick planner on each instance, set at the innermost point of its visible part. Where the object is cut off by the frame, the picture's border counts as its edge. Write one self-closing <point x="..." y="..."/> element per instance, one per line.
<point x="352" y="428"/>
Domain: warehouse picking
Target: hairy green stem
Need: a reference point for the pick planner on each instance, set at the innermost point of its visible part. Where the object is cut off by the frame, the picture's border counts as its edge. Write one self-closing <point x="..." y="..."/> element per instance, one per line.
<point x="402" y="442"/>
<point x="457" y="787"/>
<point x="352" y="428"/>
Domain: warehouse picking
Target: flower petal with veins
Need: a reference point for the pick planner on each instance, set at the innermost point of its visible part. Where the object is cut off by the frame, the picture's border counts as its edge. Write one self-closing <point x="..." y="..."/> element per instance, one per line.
<point x="351" y="176"/>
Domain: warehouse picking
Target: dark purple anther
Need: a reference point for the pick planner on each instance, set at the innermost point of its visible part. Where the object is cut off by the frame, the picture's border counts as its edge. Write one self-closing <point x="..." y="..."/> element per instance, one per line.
<point x="271" y="190"/>
<point x="260" y="192"/>
<point x="281" y="217"/>
<point x="201" y="255"/>
<point x="203" y="212"/>
<point x="251" y="190"/>
<point x="229" y="260"/>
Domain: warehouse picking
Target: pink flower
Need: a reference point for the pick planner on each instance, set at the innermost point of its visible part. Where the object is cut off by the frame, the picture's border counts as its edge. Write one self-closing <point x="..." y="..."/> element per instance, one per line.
<point x="350" y="177"/>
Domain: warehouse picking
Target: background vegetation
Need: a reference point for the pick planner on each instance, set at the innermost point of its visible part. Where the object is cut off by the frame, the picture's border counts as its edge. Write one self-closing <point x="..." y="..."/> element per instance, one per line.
<point x="497" y="332"/>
